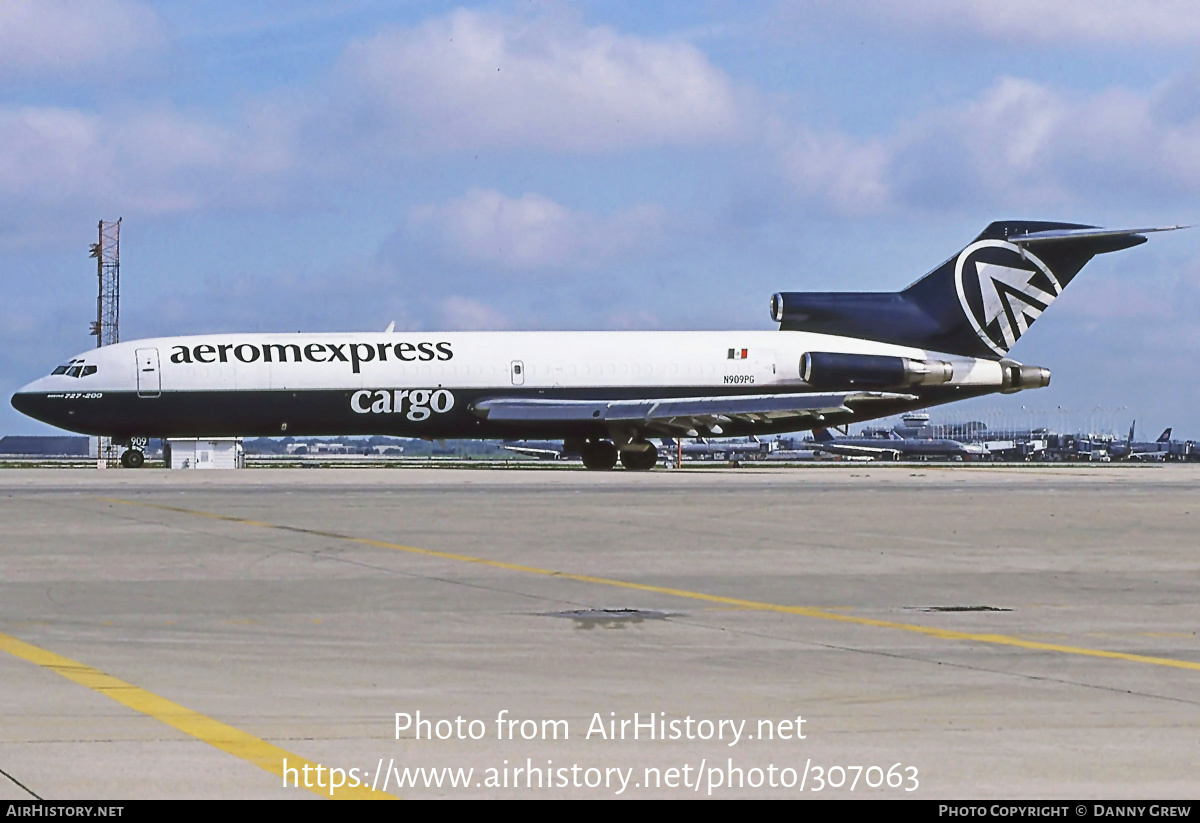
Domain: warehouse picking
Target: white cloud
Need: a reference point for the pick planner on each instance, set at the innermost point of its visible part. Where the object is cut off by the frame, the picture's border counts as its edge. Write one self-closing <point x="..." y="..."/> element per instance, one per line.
<point x="465" y="314"/>
<point x="1023" y="143"/>
<point x="477" y="80"/>
<point x="531" y="233"/>
<point x="849" y="174"/>
<point x="1017" y="144"/>
<point x="48" y="153"/>
<point x="1065" y="23"/>
<point x="148" y="161"/>
<point x="159" y="141"/>
<point x="64" y="37"/>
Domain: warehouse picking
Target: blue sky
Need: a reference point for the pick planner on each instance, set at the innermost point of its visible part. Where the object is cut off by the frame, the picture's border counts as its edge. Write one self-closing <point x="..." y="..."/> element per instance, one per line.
<point x="596" y="165"/>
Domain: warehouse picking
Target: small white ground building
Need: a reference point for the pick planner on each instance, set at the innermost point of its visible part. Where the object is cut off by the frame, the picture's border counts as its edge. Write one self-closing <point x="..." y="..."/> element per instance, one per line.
<point x="199" y="453"/>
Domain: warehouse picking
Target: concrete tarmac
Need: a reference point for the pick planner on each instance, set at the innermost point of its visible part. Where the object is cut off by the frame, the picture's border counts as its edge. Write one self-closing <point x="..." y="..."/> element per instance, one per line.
<point x="955" y="631"/>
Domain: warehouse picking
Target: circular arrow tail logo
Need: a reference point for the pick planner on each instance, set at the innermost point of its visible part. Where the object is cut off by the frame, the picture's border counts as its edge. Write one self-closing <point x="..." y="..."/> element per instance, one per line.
<point x="1003" y="289"/>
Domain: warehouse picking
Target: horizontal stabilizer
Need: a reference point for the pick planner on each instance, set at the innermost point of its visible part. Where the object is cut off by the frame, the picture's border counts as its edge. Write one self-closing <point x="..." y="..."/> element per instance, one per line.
<point x="1030" y="238"/>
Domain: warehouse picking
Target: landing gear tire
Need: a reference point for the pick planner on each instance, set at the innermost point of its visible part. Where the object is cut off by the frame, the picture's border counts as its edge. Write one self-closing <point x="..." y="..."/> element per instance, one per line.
<point x="640" y="461"/>
<point x="599" y="455"/>
<point x="133" y="458"/>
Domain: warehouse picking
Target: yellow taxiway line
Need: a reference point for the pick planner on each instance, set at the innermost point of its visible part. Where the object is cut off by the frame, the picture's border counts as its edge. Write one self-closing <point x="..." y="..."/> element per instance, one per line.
<point x="220" y="735"/>
<point x="800" y="611"/>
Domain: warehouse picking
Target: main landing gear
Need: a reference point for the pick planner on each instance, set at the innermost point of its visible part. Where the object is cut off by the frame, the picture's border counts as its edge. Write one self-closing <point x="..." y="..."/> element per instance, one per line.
<point x="602" y="455"/>
<point x="599" y="455"/>
<point x="640" y="459"/>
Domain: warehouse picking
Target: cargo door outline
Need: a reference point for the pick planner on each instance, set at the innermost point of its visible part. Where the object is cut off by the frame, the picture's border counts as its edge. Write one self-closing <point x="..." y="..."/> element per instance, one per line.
<point x="149" y="378"/>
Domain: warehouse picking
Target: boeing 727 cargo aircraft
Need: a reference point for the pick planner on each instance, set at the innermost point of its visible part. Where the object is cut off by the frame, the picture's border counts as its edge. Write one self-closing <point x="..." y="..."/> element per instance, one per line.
<point x="838" y="358"/>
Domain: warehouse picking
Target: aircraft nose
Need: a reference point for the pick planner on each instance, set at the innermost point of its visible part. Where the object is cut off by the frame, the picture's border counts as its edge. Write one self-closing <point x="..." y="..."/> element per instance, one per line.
<point x="45" y="401"/>
<point x="22" y="401"/>
<point x="30" y="401"/>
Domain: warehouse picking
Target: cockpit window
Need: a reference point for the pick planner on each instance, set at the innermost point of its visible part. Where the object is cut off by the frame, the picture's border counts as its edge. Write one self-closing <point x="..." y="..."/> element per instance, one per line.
<point x="65" y="368"/>
<point x="75" y="368"/>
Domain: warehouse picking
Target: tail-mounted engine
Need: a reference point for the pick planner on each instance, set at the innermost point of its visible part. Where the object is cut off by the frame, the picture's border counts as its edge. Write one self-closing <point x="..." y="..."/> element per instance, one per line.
<point x="833" y="370"/>
<point x="1016" y="377"/>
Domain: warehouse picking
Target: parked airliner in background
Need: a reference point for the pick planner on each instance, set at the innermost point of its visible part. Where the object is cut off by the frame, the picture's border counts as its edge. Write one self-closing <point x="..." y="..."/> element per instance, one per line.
<point x="1158" y="450"/>
<point x="838" y="358"/>
<point x="895" y="447"/>
<point x="541" y="449"/>
<point x="723" y="449"/>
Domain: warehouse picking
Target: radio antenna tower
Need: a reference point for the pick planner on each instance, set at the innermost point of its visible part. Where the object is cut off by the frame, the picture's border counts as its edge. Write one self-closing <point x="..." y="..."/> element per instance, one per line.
<point x="107" y="252"/>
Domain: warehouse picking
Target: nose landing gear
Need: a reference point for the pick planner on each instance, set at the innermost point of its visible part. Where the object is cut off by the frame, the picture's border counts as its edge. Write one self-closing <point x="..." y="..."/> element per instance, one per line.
<point x="134" y="457"/>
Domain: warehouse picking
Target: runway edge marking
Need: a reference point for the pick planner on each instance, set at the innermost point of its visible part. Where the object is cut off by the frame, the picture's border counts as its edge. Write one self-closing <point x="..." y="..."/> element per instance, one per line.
<point x="236" y="742"/>
<point x="801" y="611"/>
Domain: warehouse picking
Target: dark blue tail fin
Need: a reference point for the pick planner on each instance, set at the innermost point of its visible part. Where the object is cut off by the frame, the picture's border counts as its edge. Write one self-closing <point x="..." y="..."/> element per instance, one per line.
<point x="822" y="435"/>
<point x="1165" y="437"/>
<point x="978" y="303"/>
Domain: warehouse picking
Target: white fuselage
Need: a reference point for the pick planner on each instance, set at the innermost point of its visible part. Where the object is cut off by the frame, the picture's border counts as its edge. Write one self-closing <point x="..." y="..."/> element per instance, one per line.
<point x="480" y="360"/>
<point x="424" y="383"/>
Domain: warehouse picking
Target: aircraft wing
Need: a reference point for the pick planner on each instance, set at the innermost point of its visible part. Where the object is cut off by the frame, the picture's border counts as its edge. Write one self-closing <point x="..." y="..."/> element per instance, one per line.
<point x="681" y="415"/>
